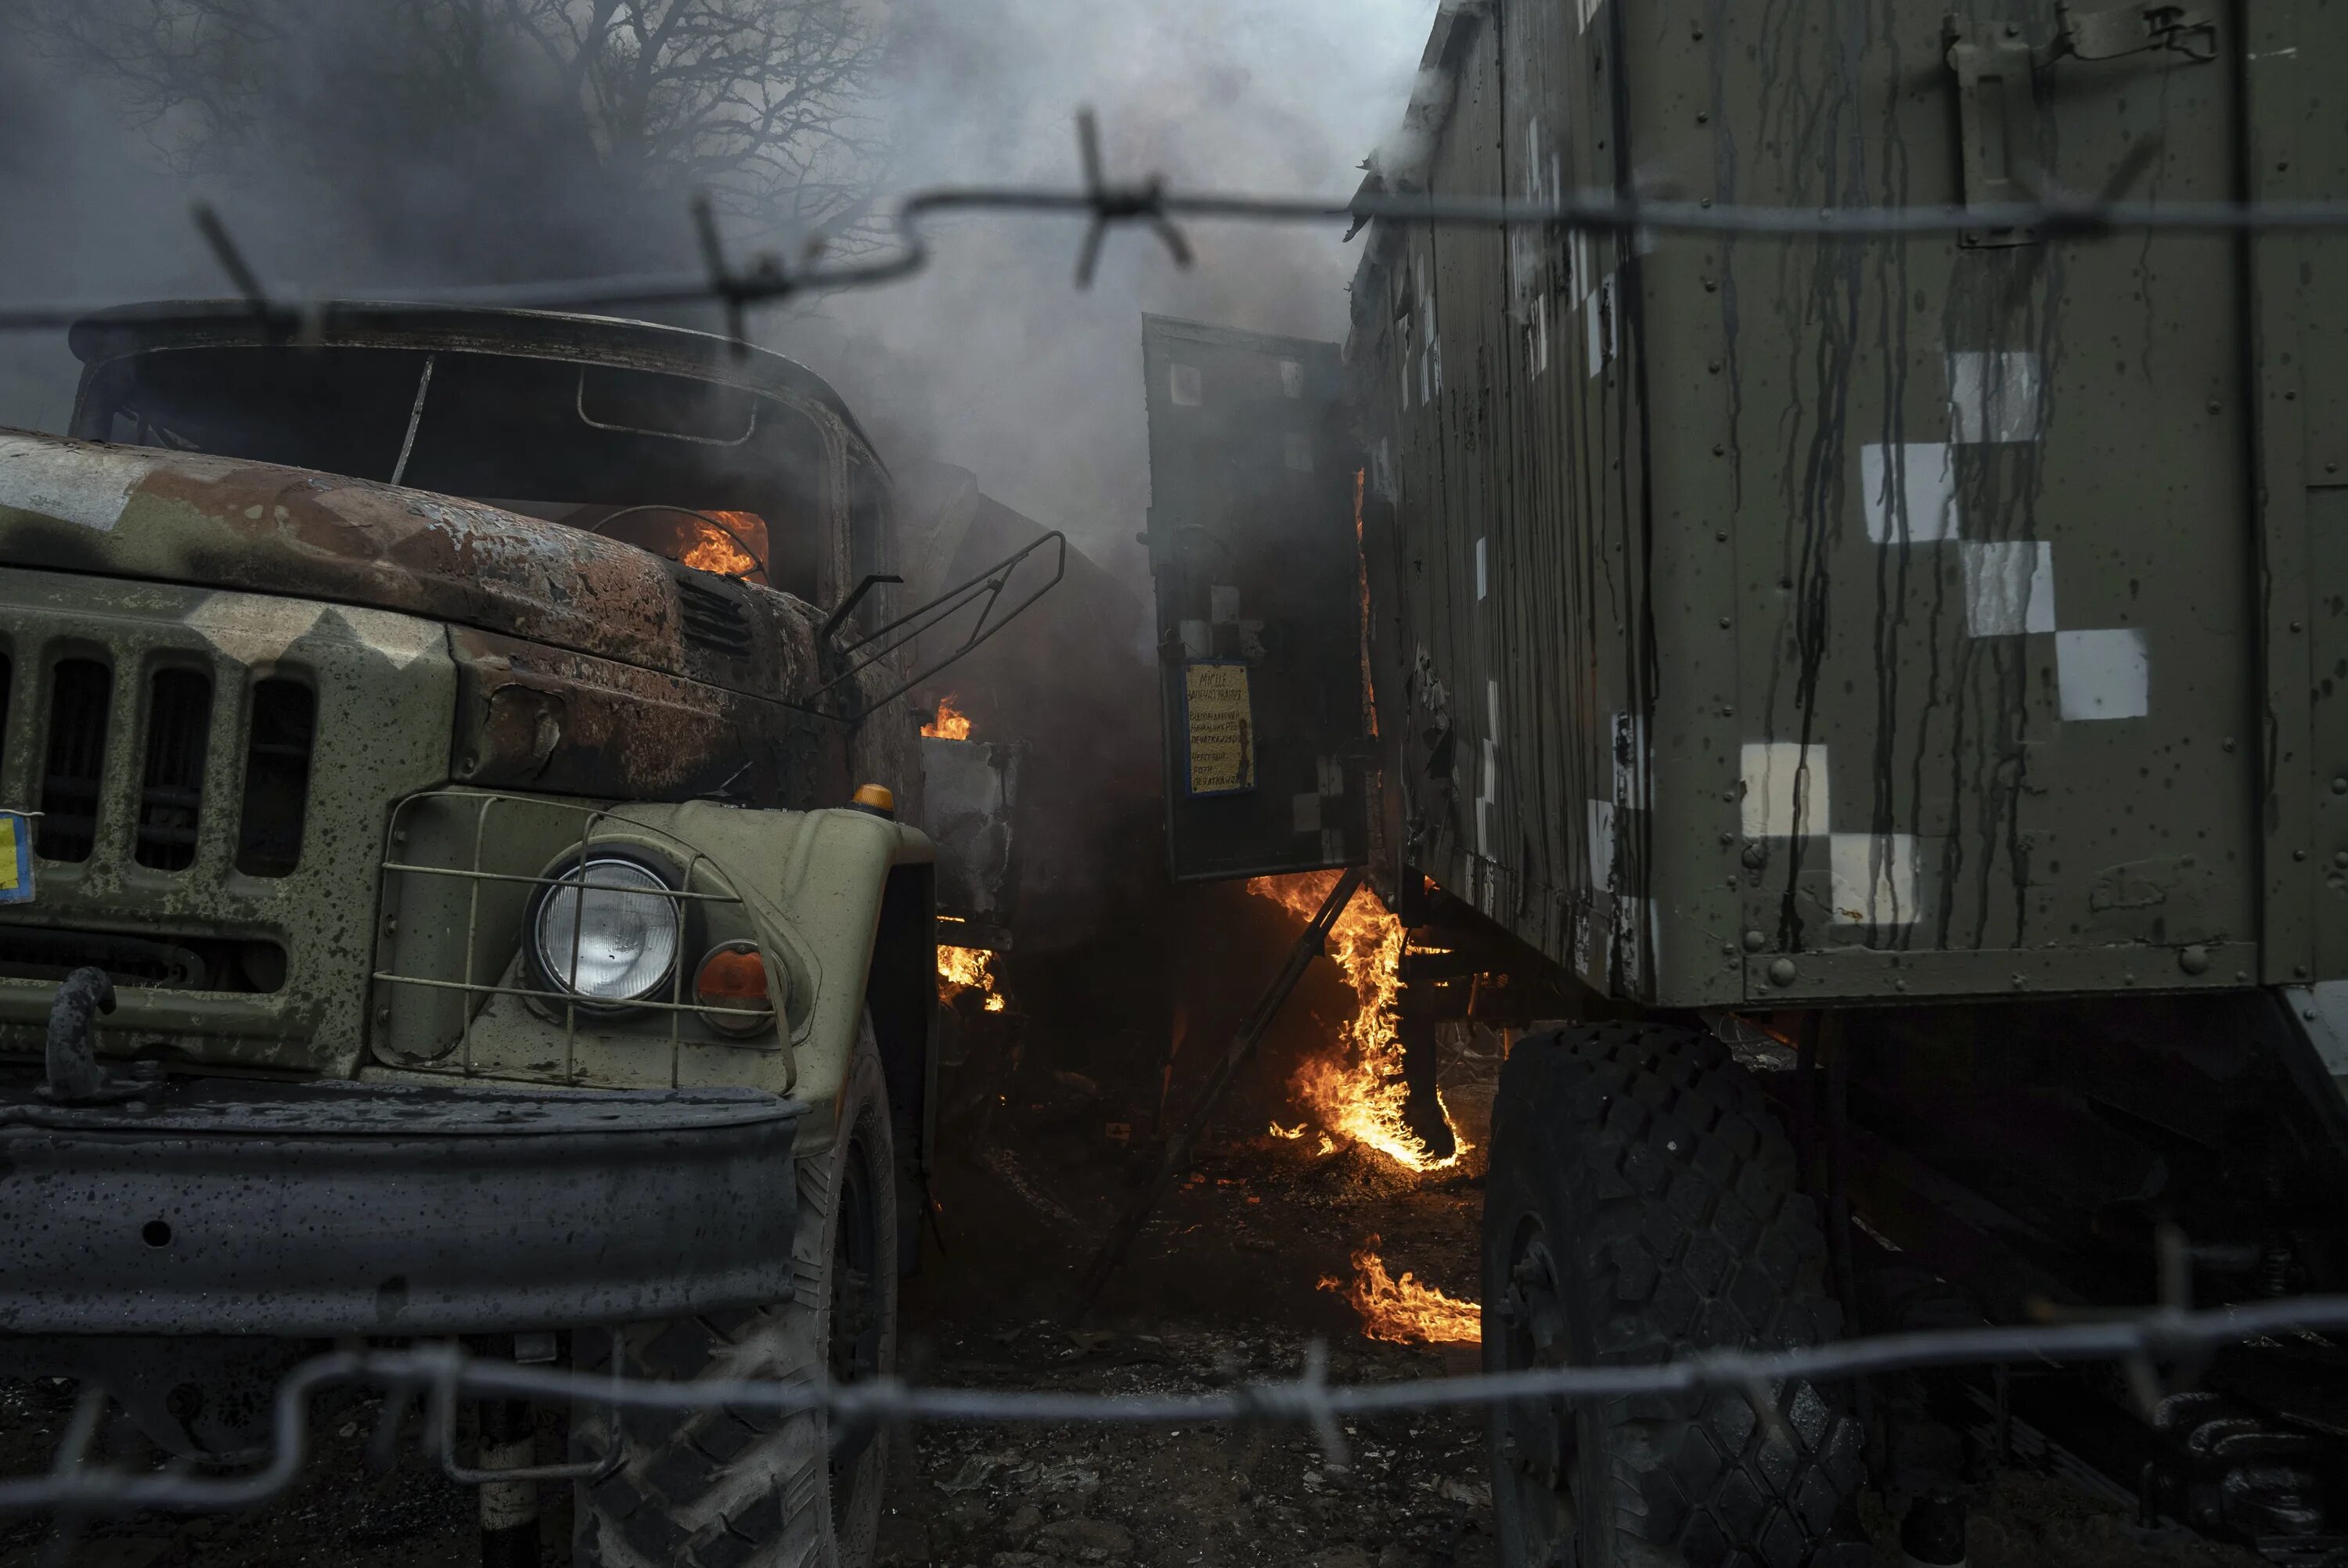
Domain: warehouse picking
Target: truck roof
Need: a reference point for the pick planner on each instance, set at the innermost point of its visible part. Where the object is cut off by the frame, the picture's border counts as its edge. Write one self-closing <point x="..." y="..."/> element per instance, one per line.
<point x="163" y="325"/>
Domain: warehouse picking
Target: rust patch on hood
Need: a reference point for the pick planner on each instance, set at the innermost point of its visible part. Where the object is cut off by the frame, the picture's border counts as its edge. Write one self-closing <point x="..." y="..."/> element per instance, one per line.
<point x="227" y="523"/>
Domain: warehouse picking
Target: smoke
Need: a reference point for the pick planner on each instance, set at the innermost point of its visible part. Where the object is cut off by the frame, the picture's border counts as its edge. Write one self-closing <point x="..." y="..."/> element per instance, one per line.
<point x="377" y="144"/>
<point x="993" y="360"/>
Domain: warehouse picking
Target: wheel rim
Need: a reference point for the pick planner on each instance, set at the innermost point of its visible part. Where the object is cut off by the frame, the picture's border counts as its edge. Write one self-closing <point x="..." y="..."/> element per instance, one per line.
<point x="1534" y="1440"/>
<point x="859" y="1320"/>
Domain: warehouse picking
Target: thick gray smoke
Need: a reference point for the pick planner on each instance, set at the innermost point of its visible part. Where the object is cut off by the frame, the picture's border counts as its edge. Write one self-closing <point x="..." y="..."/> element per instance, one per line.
<point x="993" y="360"/>
<point x="347" y="154"/>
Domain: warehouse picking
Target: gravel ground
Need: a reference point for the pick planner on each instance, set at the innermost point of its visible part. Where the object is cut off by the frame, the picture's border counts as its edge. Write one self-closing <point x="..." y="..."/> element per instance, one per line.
<point x="1226" y="1283"/>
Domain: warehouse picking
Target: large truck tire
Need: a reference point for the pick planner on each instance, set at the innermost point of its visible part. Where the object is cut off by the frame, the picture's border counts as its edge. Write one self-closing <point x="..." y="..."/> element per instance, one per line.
<point x="733" y="1488"/>
<point x="1640" y="1208"/>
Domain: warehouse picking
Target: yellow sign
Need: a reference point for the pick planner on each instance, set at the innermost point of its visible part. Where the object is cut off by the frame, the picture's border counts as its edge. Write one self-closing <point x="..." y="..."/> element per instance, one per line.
<point x="15" y="857"/>
<point x="1221" y="722"/>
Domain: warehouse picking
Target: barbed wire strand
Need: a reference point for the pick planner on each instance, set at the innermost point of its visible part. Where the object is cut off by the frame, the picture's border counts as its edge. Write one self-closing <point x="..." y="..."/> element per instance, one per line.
<point x="2054" y="216"/>
<point x="77" y="1487"/>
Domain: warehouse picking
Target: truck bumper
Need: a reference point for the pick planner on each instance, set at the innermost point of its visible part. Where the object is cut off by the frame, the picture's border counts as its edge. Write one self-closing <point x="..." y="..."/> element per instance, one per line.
<point x="217" y="1207"/>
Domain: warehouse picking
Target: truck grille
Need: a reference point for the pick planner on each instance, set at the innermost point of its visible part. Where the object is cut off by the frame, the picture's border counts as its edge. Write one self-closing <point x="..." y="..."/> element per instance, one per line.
<point x="175" y="739"/>
<point x="172" y="793"/>
<point x="215" y="773"/>
<point x="81" y="691"/>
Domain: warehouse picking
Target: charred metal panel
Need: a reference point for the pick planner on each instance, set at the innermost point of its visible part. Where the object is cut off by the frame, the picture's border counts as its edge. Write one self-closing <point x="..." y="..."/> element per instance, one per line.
<point x="1833" y="620"/>
<point x="536" y="717"/>
<point x="1254" y="551"/>
<point x="971" y="796"/>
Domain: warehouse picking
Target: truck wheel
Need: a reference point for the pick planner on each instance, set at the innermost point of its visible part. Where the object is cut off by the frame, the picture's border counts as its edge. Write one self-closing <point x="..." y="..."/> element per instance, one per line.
<point x="735" y="1488"/>
<point x="1639" y="1207"/>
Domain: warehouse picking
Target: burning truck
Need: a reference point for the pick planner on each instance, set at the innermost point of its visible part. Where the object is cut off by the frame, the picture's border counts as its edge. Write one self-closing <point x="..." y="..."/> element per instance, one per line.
<point x="458" y="878"/>
<point x="1875" y="751"/>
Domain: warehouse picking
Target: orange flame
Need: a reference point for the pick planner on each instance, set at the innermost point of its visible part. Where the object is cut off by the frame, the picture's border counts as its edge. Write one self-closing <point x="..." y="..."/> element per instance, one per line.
<point x="716" y="550"/>
<point x="1356" y="1090"/>
<point x="963" y="970"/>
<point x="1403" y="1311"/>
<point x="1277" y="1131"/>
<point x="950" y="725"/>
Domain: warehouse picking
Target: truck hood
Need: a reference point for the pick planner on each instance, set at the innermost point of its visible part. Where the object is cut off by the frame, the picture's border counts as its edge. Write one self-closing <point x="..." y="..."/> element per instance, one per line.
<point x="226" y="523"/>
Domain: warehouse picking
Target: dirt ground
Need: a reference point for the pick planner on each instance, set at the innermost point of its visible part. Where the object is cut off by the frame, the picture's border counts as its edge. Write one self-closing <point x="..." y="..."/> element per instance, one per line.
<point x="1226" y="1283"/>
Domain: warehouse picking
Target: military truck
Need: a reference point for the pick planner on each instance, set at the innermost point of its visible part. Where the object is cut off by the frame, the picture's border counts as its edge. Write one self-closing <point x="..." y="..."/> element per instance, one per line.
<point x="459" y="883"/>
<point x="1889" y="689"/>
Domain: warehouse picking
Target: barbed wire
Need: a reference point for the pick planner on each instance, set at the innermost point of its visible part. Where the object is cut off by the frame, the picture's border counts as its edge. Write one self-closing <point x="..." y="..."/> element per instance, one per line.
<point x="2149" y="1346"/>
<point x="2055" y="215"/>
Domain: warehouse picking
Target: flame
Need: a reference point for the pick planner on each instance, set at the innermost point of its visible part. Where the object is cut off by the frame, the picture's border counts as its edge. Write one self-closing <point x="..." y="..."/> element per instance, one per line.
<point x="714" y="549"/>
<point x="1278" y="1130"/>
<point x="963" y="970"/>
<point x="950" y="725"/>
<point x="1403" y="1311"/>
<point x="1356" y="1090"/>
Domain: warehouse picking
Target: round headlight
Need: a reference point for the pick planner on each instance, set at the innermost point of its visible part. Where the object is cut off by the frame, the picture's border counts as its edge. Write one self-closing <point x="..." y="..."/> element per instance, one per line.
<point x="731" y="986"/>
<point x="608" y="931"/>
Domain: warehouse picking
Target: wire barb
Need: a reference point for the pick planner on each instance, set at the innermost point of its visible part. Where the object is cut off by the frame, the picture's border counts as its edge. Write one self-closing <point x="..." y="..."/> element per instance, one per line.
<point x="2055" y="217"/>
<point x="1110" y="204"/>
<point x="2145" y="1346"/>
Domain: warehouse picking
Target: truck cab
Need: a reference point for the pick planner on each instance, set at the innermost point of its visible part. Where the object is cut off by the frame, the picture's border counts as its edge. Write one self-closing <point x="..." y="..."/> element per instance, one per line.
<point x="460" y="881"/>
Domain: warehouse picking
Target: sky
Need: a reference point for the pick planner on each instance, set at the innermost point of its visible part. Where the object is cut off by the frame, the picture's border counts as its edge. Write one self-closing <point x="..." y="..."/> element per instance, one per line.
<point x="992" y="360"/>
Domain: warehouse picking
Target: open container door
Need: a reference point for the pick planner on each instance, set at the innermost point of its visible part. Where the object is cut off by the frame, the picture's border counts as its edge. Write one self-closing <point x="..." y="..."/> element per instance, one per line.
<point x="1254" y="546"/>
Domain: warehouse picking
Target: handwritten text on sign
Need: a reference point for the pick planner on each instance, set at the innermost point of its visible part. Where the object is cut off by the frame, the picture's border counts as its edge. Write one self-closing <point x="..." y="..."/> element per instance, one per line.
<point x="1223" y="728"/>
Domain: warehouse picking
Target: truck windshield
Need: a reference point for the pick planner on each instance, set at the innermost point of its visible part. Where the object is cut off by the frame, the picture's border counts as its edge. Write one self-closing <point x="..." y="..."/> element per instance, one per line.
<point x="716" y="477"/>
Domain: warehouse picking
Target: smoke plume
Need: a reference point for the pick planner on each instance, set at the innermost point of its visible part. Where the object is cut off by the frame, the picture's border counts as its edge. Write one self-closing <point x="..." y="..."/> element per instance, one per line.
<point x="371" y="145"/>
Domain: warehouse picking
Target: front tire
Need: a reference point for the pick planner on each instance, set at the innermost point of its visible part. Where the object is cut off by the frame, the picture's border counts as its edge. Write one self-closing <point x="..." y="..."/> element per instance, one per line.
<point x="737" y="1488"/>
<point x="1641" y="1208"/>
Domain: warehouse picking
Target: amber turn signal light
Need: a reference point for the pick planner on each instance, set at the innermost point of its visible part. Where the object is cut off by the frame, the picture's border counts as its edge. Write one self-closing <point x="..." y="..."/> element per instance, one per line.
<point x="878" y="799"/>
<point x="730" y="987"/>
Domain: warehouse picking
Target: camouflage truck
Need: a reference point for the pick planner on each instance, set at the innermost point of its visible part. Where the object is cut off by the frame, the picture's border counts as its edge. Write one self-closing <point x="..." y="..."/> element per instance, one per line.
<point x="1885" y="692"/>
<point x="453" y="887"/>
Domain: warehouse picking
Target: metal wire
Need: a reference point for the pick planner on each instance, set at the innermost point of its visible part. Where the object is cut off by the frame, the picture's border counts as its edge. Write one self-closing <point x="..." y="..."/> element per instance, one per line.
<point x="2143" y="1342"/>
<point x="1108" y="203"/>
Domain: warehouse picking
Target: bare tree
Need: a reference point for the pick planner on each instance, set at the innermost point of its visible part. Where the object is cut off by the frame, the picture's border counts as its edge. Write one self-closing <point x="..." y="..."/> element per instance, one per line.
<point x="521" y="123"/>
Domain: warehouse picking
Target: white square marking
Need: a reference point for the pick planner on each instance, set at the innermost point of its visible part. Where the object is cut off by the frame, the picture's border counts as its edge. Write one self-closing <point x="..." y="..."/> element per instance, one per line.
<point x="1909" y="491"/>
<point x="1291" y="378"/>
<point x="1222" y="603"/>
<point x="2104" y="675"/>
<point x="1186" y="386"/>
<point x="1784" y="789"/>
<point x="1994" y="397"/>
<point x="2009" y="587"/>
<point x="1297" y="451"/>
<point x="1874" y="878"/>
<point x="1306" y="812"/>
<point x="1480" y="588"/>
